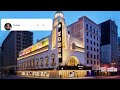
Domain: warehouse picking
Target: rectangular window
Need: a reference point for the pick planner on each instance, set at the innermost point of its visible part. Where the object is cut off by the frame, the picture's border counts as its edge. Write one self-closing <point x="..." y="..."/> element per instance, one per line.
<point x="97" y="32"/>
<point x="87" y="55"/>
<point x="87" y="41"/>
<point x="91" y="41"/>
<point x="94" y="30"/>
<point x="91" y="35"/>
<point x="94" y="43"/>
<point x="97" y="50"/>
<point x="94" y="57"/>
<point x="97" y="38"/>
<point x="91" y="55"/>
<point x="90" y="28"/>
<point x="87" y="47"/>
<point x="18" y="34"/>
<point x="97" y="56"/>
<point x="87" y="26"/>
<point x="87" y="33"/>
<point x="94" y="49"/>
<point x="18" y="38"/>
<point x="87" y="61"/>
<point x="91" y="48"/>
<point x="97" y="44"/>
<point x="94" y="37"/>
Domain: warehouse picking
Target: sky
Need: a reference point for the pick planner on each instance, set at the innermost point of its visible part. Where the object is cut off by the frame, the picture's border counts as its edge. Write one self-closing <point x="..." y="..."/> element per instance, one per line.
<point x="70" y="17"/>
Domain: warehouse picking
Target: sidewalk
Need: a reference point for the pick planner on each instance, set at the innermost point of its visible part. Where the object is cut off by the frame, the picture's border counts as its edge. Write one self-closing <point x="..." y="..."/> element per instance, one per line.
<point x="32" y="77"/>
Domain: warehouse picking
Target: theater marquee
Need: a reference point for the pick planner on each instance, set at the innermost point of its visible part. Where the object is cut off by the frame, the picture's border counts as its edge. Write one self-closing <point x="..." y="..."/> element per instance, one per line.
<point x="37" y="46"/>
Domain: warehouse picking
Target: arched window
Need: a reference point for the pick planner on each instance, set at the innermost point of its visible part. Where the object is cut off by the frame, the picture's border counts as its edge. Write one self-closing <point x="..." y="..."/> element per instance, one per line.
<point x="46" y="61"/>
<point x="29" y="62"/>
<point x="37" y="62"/>
<point x="26" y="64"/>
<point x="23" y="65"/>
<point x="32" y="62"/>
<point x="18" y="66"/>
<point x="53" y="60"/>
<point x="41" y="60"/>
<point x="53" y="57"/>
<point x="73" y="45"/>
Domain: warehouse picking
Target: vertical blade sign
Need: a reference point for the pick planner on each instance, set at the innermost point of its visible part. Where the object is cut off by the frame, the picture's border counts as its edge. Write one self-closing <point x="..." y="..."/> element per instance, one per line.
<point x="60" y="42"/>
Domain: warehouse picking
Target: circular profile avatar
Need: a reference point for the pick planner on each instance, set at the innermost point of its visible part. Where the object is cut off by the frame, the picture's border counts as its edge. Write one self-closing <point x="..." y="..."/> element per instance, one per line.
<point x="8" y="26"/>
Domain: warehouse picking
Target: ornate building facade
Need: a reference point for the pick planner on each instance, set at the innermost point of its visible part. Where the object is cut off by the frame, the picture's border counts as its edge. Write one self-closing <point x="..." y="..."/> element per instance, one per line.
<point x="56" y="55"/>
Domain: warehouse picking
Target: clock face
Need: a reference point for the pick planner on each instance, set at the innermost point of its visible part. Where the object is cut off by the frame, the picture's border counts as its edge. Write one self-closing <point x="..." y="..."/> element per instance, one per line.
<point x="59" y="14"/>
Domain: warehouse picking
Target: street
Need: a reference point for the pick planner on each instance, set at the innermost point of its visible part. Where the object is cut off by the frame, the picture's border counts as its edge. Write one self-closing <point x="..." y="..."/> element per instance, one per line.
<point x="13" y="77"/>
<point x="107" y="77"/>
<point x="93" y="77"/>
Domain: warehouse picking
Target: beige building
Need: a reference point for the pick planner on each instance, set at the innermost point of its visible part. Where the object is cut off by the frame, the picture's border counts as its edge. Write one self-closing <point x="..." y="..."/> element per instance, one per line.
<point x="88" y="35"/>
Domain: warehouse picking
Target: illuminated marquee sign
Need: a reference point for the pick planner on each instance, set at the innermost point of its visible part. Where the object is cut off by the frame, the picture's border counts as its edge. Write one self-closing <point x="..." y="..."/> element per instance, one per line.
<point x="60" y="42"/>
<point x="32" y="48"/>
<point x="112" y="69"/>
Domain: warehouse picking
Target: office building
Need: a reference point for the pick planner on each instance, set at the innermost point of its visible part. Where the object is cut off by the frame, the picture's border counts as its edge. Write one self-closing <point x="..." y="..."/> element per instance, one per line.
<point x="119" y="48"/>
<point x="118" y="63"/>
<point x="109" y="42"/>
<point x="0" y="58"/>
<point x="15" y="42"/>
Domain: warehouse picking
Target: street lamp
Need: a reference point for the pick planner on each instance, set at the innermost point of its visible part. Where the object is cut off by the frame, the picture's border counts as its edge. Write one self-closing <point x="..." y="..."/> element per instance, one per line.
<point x="113" y="64"/>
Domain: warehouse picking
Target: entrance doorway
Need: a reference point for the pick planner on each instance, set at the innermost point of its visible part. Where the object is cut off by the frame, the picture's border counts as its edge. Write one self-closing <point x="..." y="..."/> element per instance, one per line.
<point x="73" y="61"/>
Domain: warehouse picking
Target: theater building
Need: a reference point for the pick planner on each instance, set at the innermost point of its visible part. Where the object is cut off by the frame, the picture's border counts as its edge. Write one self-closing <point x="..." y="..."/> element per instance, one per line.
<point x="58" y="55"/>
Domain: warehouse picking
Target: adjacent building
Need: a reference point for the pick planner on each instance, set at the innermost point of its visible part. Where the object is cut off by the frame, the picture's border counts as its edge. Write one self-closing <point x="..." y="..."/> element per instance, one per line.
<point x="119" y="48"/>
<point x="0" y="58"/>
<point x="15" y="42"/>
<point x="109" y="42"/>
<point x="118" y="63"/>
<point x="88" y="33"/>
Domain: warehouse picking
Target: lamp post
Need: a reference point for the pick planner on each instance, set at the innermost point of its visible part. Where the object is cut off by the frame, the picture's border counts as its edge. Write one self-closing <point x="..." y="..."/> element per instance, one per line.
<point x="113" y="64"/>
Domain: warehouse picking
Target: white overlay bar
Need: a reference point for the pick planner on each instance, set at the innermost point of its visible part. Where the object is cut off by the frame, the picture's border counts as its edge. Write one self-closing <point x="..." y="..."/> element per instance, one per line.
<point x="26" y="24"/>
